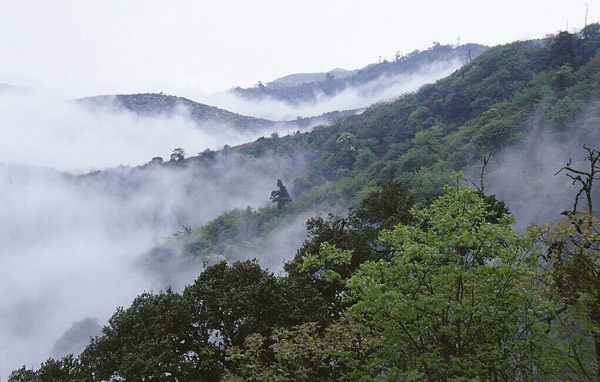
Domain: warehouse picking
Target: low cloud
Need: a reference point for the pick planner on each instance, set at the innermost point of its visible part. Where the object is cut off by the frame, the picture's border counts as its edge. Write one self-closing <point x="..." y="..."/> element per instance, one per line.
<point x="72" y="244"/>
<point x="48" y="131"/>
<point x="385" y="88"/>
<point x="524" y="176"/>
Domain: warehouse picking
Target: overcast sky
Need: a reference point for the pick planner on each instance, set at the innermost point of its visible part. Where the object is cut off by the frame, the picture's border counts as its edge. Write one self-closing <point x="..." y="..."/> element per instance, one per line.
<point x="184" y="47"/>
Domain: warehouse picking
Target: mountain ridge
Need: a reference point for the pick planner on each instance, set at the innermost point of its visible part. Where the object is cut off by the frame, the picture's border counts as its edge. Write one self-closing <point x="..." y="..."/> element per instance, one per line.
<point x="306" y="87"/>
<point x="153" y="104"/>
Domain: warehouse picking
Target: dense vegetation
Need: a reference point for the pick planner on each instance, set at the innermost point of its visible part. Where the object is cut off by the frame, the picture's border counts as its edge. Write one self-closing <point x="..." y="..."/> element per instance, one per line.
<point x="538" y="89"/>
<point x="418" y="281"/>
<point x="457" y="294"/>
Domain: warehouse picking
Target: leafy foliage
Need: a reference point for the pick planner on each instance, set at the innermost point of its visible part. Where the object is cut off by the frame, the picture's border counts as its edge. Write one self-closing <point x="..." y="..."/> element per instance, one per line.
<point x="318" y="265"/>
<point x="573" y="271"/>
<point x="458" y="299"/>
<point x="304" y="353"/>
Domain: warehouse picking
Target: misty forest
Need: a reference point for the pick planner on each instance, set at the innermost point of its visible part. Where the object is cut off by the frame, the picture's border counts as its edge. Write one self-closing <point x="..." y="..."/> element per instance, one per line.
<point x="427" y="218"/>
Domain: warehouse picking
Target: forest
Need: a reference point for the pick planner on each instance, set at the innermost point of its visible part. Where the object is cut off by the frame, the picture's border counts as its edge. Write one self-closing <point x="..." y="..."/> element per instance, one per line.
<point x="418" y="273"/>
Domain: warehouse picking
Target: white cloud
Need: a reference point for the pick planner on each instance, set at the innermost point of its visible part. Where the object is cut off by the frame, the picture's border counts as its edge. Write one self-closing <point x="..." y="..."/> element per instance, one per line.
<point x="45" y="131"/>
<point x="71" y="245"/>
<point x="384" y="88"/>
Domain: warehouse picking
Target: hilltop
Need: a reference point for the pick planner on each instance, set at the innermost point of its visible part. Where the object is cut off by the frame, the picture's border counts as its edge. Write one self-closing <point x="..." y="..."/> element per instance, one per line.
<point x="308" y="87"/>
<point x="153" y="104"/>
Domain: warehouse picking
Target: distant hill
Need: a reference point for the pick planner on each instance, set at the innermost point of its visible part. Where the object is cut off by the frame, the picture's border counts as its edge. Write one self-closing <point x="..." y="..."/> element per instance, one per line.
<point x="306" y="87"/>
<point x="305" y="78"/>
<point x="529" y="104"/>
<point x="150" y="104"/>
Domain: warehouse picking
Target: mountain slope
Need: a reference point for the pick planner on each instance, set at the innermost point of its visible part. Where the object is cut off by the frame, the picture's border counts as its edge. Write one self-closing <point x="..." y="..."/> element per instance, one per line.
<point x="535" y="89"/>
<point x="308" y="87"/>
<point x="486" y="107"/>
<point x="150" y="104"/>
<point x="153" y="104"/>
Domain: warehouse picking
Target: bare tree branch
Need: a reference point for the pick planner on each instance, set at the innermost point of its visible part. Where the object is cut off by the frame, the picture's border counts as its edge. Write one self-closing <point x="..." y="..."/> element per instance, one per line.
<point x="584" y="178"/>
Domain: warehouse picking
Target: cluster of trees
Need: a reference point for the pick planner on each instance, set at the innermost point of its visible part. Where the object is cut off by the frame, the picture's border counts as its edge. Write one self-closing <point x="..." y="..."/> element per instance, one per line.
<point x="418" y="140"/>
<point x="446" y="292"/>
<point x="481" y="108"/>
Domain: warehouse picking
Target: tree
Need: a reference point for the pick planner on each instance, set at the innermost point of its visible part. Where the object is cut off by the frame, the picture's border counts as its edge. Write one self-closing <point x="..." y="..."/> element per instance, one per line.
<point x="303" y="353"/>
<point x="281" y="196"/>
<point x="177" y="337"/>
<point x="561" y="50"/>
<point x="584" y="178"/>
<point x="178" y="155"/>
<point x="156" y="337"/>
<point x="357" y="234"/>
<point x="573" y="271"/>
<point x="234" y="301"/>
<point x="458" y="299"/>
<point x="64" y="370"/>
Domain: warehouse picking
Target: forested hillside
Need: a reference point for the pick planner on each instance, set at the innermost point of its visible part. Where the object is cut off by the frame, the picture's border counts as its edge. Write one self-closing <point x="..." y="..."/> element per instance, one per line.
<point x="151" y="104"/>
<point x="308" y="87"/>
<point x="418" y="280"/>
<point x="525" y="89"/>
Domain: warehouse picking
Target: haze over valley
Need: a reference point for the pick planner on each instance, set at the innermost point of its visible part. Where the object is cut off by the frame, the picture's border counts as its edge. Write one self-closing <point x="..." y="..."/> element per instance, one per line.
<point x="83" y="212"/>
<point x="170" y="227"/>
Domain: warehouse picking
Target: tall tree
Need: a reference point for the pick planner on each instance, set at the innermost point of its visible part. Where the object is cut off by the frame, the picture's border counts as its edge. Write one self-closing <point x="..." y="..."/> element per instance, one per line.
<point x="458" y="299"/>
<point x="573" y="270"/>
<point x="281" y="196"/>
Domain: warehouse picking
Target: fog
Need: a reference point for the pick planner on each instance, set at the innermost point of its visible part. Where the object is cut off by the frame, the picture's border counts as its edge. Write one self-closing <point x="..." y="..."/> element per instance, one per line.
<point x="385" y="88"/>
<point x="46" y="130"/>
<point x="524" y="176"/>
<point x="71" y="245"/>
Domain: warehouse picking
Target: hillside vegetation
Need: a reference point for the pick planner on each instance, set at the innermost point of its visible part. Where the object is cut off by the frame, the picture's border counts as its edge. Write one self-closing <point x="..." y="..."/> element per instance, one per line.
<point x="418" y="140"/>
<point x="153" y="104"/>
<point x="308" y="87"/>
<point x="418" y="280"/>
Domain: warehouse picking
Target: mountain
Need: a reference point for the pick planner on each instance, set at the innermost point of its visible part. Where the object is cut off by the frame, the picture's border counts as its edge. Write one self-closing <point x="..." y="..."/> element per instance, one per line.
<point x="307" y="87"/>
<point x="534" y="97"/>
<point x="305" y="78"/>
<point x="510" y="95"/>
<point x="153" y="104"/>
<point x="521" y="109"/>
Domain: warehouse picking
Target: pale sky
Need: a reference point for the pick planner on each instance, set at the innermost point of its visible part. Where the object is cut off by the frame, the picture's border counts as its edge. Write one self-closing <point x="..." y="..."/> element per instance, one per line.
<point x="79" y="48"/>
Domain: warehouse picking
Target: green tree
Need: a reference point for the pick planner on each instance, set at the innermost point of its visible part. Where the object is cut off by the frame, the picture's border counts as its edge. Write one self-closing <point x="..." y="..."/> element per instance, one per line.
<point x="234" y="301"/>
<point x="357" y="233"/>
<point x="155" y="338"/>
<point x="458" y="299"/>
<point x="304" y="353"/>
<point x="178" y="155"/>
<point x="281" y="196"/>
<point x="66" y="369"/>
<point x="573" y="272"/>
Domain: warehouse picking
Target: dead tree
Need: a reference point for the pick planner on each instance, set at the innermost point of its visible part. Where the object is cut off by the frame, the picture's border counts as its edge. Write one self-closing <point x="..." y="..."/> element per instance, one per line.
<point x="584" y="178"/>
